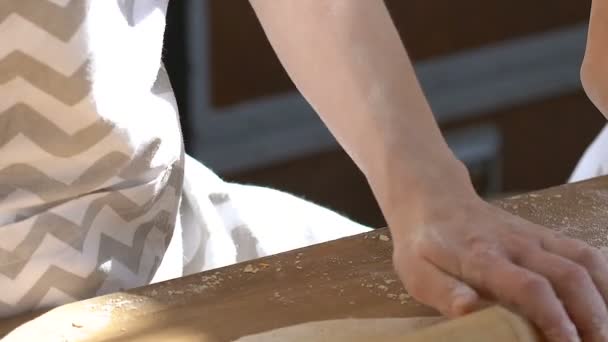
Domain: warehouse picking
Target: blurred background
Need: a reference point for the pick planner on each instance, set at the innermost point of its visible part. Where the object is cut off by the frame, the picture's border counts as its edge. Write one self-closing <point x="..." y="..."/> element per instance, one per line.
<point x="502" y="78"/>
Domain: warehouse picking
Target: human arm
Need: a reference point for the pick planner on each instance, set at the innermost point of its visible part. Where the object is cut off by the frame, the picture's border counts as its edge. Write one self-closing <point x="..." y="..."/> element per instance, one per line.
<point x="594" y="72"/>
<point x="451" y="248"/>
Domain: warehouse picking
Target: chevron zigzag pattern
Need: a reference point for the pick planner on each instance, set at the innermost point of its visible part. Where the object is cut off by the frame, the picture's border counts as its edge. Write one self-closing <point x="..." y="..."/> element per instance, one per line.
<point x="67" y="89"/>
<point x="87" y="210"/>
<point x="73" y="234"/>
<point x="60" y="55"/>
<point x="59" y="22"/>
<point x="21" y="176"/>
<point x="20" y="92"/>
<point x="21" y="119"/>
<point x="104" y="244"/>
<point x="62" y="280"/>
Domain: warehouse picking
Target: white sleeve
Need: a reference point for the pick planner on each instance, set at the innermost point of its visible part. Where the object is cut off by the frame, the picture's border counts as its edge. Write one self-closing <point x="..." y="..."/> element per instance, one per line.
<point x="594" y="162"/>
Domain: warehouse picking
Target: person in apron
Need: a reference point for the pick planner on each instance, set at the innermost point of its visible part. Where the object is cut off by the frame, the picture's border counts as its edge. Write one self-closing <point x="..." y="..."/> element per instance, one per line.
<point x="96" y="192"/>
<point x="97" y="195"/>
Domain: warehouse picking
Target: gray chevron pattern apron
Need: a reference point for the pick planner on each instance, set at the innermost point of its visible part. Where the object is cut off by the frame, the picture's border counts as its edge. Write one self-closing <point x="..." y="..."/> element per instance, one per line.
<point x="92" y="164"/>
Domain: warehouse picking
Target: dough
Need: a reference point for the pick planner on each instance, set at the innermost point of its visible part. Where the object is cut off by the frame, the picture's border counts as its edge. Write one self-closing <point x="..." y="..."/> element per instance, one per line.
<point x="343" y="330"/>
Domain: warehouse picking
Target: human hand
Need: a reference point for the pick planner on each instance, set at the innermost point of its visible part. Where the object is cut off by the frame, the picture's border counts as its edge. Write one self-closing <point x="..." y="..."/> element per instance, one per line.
<point x="455" y="255"/>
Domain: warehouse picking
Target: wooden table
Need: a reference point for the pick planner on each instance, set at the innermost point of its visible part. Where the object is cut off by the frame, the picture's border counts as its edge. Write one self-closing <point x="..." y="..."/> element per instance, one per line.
<point x="352" y="277"/>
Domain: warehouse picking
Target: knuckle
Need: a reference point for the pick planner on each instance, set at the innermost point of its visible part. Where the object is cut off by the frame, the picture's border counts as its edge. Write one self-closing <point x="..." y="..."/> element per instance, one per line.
<point x="482" y="254"/>
<point x="427" y="248"/>
<point x="476" y="240"/>
<point x="572" y="273"/>
<point x="532" y="284"/>
<point x="478" y="263"/>
<point x="589" y="256"/>
<point x="520" y="241"/>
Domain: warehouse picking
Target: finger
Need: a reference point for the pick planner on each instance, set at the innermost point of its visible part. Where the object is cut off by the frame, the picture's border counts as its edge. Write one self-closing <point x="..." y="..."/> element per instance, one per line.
<point x="531" y="294"/>
<point x="575" y="288"/>
<point x="431" y="286"/>
<point x="581" y="253"/>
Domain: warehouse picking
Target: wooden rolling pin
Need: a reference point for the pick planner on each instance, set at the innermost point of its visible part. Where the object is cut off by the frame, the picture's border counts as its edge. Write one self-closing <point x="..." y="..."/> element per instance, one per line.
<point x="495" y="324"/>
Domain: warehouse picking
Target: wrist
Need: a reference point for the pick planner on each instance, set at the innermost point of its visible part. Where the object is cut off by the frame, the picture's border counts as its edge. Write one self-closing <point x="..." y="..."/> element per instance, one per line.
<point x="412" y="190"/>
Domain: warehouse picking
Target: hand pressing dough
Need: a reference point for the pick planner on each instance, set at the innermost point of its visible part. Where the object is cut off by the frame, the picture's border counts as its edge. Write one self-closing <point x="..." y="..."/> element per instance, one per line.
<point x="343" y="330"/>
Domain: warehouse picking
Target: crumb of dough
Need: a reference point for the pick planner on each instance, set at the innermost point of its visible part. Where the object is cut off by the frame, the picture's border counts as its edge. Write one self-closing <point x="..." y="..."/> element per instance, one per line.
<point x="198" y="288"/>
<point x="383" y="237"/>
<point x="382" y="287"/>
<point x="404" y="296"/>
<point x="250" y="269"/>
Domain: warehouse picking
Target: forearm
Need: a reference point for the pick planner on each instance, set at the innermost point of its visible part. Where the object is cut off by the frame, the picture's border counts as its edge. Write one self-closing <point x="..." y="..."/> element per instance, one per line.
<point x="347" y="59"/>
<point x="597" y="48"/>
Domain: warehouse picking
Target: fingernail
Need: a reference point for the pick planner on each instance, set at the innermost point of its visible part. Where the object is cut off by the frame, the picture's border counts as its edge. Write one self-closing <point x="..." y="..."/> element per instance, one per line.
<point x="463" y="299"/>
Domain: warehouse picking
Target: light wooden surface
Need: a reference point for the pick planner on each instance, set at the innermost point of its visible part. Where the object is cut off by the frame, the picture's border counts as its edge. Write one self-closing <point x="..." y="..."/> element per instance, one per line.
<point x="352" y="277"/>
<point x="494" y="324"/>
